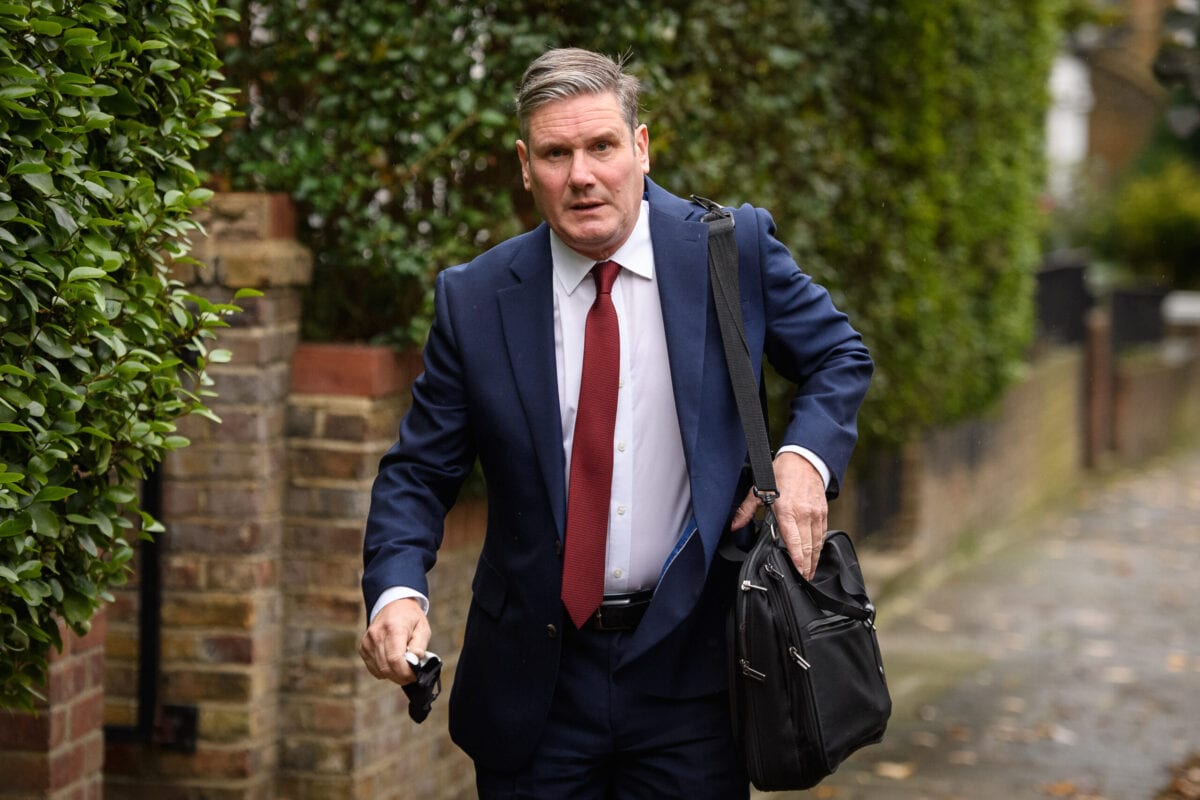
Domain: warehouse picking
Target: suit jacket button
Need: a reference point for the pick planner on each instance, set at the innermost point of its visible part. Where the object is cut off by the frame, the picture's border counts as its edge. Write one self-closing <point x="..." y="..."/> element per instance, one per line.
<point x="552" y="631"/>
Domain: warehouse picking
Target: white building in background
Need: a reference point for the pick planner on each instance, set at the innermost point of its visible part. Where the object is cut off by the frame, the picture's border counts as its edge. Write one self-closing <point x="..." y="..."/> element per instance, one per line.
<point x="1071" y="101"/>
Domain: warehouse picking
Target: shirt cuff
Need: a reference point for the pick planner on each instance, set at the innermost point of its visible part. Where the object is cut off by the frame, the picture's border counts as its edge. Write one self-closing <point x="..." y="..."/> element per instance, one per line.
<point x="397" y="593"/>
<point x="811" y="457"/>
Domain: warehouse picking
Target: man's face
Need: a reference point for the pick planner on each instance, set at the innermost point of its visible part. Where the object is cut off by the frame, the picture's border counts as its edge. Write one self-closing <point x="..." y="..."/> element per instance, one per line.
<point x="584" y="167"/>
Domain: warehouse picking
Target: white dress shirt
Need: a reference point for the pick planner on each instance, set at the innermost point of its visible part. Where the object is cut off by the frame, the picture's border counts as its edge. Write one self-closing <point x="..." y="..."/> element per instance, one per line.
<point x="651" y="499"/>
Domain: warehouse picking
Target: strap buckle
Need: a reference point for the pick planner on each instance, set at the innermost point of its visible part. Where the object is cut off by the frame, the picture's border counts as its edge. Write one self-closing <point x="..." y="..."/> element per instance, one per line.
<point x="768" y="496"/>
<point x="715" y="211"/>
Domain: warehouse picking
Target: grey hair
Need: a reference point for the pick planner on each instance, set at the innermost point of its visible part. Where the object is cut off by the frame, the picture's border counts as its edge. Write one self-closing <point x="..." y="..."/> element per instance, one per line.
<point x="570" y="72"/>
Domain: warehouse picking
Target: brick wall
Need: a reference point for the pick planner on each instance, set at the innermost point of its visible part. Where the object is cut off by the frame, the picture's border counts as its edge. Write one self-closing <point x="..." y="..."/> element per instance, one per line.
<point x="57" y="752"/>
<point x="222" y="605"/>
<point x="346" y="735"/>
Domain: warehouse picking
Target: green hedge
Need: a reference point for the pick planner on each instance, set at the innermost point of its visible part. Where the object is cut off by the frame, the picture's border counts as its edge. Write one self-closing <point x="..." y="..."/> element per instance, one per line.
<point x="1153" y="226"/>
<point x="898" y="145"/>
<point x="102" y="106"/>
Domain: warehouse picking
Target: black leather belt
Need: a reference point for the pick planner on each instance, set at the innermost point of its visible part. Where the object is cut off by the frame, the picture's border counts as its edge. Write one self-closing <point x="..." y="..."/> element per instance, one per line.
<point x="620" y="612"/>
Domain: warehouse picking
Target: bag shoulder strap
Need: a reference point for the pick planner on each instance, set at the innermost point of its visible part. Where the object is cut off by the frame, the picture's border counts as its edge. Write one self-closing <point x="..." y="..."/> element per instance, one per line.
<point x="723" y="275"/>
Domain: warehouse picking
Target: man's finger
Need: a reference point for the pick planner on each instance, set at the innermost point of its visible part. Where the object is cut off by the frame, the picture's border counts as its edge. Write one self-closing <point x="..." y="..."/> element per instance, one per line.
<point x="745" y="512"/>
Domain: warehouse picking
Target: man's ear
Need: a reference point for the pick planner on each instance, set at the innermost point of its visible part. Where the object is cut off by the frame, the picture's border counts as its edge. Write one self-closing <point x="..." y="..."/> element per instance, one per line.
<point x="641" y="145"/>
<point x="523" y="157"/>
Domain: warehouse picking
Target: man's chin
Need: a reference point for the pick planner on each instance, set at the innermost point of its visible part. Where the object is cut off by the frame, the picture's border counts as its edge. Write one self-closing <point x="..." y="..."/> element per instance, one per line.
<point x="588" y="244"/>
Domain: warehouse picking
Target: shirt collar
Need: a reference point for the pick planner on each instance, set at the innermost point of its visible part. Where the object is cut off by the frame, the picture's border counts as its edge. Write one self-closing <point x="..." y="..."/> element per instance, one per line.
<point x="636" y="255"/>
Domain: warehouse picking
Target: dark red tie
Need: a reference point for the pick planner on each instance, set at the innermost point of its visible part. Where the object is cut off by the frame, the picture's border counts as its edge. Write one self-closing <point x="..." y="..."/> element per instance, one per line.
<point x="592" y="453"/>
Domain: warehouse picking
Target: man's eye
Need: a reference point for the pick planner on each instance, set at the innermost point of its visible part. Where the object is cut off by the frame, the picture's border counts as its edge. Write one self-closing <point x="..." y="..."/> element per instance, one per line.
<point x="603" y="146"/>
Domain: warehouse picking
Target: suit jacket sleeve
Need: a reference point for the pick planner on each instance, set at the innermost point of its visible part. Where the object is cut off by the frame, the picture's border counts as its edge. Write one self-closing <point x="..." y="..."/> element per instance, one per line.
<point x="808" y="341"/>
<point x="420" y="476"/>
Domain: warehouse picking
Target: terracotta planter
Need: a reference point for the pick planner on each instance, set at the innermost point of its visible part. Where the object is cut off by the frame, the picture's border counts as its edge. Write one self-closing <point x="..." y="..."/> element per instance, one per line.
<point x="355" y="370"/>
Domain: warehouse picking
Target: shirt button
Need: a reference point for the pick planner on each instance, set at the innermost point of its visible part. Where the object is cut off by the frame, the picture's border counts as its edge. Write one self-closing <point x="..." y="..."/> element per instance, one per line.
<point x="621" y="510"/>
<point x="617" y="573"/>
<point x="621" y="383"/>
<point x="621" y="446"/>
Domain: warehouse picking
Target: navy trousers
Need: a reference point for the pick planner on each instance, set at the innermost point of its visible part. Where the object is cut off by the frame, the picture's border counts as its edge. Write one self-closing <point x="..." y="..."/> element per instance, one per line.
<point x="609" y="742"/>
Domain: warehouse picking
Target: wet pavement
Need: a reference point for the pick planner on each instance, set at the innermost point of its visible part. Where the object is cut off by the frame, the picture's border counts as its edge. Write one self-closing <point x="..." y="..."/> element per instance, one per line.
<point x="1059" y="659"/>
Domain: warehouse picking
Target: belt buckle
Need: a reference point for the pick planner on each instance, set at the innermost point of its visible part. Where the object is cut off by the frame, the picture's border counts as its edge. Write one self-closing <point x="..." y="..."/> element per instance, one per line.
<point x="615" y="604"/>
<point x="598" y="619"/>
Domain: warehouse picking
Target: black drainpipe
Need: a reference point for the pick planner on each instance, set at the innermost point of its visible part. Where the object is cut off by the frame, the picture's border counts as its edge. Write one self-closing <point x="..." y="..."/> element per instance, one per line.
<point x="169" y="727"/>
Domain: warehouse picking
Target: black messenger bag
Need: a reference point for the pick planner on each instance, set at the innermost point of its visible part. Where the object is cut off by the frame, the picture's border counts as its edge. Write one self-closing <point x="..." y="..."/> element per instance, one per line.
<point x="807" y="686"/>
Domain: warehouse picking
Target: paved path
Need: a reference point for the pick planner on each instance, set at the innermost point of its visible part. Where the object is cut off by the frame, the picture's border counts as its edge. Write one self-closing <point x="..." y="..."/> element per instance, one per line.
<point x="1062" y="661"/>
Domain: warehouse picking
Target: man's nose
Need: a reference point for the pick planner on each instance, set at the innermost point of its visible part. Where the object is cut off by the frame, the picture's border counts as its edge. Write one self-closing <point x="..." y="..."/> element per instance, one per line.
<point x="581" y="170"/>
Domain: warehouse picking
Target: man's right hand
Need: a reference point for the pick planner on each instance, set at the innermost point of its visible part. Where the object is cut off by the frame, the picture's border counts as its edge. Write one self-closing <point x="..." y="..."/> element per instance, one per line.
<point x="400" y="627"/>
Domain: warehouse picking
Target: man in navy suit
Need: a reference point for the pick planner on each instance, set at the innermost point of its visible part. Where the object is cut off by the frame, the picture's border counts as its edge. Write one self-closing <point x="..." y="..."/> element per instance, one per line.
<point x="606" y="680"/>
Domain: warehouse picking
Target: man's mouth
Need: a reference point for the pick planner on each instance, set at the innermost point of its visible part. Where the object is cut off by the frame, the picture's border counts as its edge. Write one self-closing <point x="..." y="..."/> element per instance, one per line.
<point x="586" y="205"/>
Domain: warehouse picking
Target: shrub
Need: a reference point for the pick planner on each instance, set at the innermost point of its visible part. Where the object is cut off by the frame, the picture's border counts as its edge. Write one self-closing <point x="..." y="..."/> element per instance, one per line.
<point x="898" y="145"/>
<point x="102" y="105"/>
<point x="1155" y="226"/>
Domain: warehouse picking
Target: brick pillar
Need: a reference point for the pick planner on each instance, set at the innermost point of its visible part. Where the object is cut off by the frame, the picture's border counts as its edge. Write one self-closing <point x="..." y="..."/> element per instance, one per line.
<point x="223" y="512"/>
<point x="57" y="752"/>
<point x="345" y="735"/>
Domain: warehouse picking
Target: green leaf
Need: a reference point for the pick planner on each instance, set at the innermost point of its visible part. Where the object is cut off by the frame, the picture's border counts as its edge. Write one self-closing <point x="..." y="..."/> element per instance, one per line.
<point x="45" y="521"/>
<point x="85" y="273"/>
<point x="45" y="27"/>
<point x="30" y="167"/>
<point x="40" y="181"/>
<point x="9" y="369"/>
<point x="14" y="526"/>
<point x="76" y="607"/>
<point x="17" y="92"/>
<point x="53" y="493"/>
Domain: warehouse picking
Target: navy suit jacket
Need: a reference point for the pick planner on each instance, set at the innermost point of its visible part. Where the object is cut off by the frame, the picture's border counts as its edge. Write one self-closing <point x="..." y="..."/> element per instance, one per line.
<point x="490" y="391"/>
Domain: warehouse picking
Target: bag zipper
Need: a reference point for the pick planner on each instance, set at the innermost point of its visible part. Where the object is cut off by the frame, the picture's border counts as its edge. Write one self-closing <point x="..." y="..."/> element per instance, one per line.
<point x="780" y="593"/>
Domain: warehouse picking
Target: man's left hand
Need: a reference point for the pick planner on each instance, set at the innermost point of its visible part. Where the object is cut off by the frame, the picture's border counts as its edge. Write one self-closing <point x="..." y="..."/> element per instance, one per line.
<point x="801" y="510"/>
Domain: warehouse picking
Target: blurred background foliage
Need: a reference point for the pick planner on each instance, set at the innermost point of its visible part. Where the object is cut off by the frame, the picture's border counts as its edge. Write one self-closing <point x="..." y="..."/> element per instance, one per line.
<point x="1141" y="224"/>
<point x="897" y="144"/>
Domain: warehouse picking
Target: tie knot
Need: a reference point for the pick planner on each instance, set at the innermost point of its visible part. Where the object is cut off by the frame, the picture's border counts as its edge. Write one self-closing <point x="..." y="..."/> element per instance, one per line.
<point x="605" y="275"/>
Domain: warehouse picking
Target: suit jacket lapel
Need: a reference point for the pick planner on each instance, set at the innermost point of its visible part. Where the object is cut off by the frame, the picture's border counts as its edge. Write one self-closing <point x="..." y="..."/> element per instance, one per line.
<point x="681" y="271"/>
<point x="527" y="317"/>
<point x="699" y="377"/>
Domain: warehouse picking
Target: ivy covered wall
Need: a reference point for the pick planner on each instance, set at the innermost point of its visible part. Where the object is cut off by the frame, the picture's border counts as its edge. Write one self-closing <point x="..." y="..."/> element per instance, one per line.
<point x="897" y="144"/>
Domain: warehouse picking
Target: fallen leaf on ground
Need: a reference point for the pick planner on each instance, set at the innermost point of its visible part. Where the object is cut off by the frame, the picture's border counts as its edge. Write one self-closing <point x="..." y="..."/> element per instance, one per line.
<point x="896" y="770"/>
<point x="966" y="758"/>
<point x="926" y="739"/>
<point x="1120" y="675"/>
<point x="937" y="622"/>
